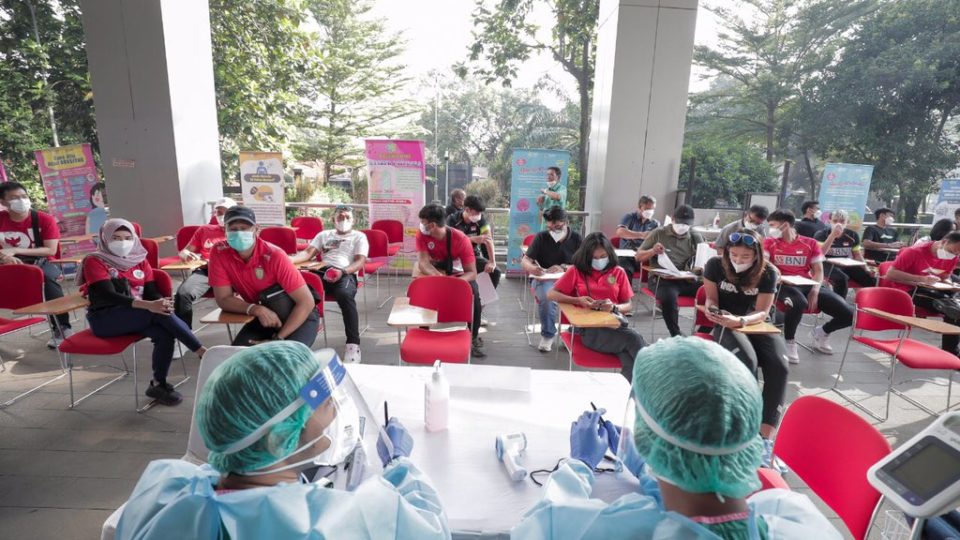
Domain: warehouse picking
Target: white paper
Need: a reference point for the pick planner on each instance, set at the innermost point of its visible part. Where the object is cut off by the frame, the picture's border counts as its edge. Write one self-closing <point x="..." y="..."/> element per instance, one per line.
<point x="666" y="264"/>
<point x="488" y="294"/>
<point x="548" y="276"/>
<point x="625" y="252"/>
<point x="704" y="254"/>
<point x="845" y="261"/>
<point x="798" y="281"/>
<point x="942" y="285"/>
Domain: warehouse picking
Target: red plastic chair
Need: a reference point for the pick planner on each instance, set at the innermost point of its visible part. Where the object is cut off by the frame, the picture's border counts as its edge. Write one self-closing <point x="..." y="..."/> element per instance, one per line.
<point x="306" y="227"/>
<point x="316" y="284"/>
<point x="394" y="231"/>
<point x="21" y="285"/>
<point x="378" y="256"/>
<point x="153" y="251"/>
<point x="830" y="448"/>
<point x="582" y="356"/>
<point x="452" y="299"/>
<point x="882" y="281"/>
<point x="903" y="349"/>
<point x="182" y="239"/>
<point x="283" y="237"/>
<point x="700" y="318"/>
<point x="527" y="240"/>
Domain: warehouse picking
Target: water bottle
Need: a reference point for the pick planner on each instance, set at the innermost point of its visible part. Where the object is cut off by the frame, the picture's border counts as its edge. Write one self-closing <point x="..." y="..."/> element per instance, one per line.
<point x="436" y="400"/>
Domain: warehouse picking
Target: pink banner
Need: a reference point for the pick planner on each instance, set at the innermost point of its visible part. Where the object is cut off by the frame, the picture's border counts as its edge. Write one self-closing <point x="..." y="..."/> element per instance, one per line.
<point x="69" y="174"/>
<point x="396" y="189"/>
<point x="3" y="172"/>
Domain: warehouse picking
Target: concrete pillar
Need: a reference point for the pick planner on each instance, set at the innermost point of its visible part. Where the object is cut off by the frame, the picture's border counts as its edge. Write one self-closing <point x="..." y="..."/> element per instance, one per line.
<point x="644" y="52"/>
<point x="151" y="69"/>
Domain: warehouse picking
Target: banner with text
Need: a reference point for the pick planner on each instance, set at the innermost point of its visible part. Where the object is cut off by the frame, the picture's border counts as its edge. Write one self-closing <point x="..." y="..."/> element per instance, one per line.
<point x="845" y="186"/>
<point x="261" y="182"/>
<point x="397" y="179"/>
<point x="70" y="181"/>
<point x="528" y="179"/>
<point x="948" y="200"/>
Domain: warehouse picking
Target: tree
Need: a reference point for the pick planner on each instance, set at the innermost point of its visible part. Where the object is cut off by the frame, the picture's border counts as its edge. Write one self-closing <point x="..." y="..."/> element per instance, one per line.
<point x="890" y="99"/>
<point x="504" y="38"/>
<point x="354" y="84"/>
<point x="725" y="173"/>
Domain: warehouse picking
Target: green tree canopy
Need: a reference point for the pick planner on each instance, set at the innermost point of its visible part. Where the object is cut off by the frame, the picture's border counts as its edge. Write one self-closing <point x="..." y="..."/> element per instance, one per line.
<point x="726" y="173"/>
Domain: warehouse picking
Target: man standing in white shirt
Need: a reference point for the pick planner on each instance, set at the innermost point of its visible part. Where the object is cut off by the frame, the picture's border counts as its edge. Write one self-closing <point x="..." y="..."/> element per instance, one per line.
<point x="343" y="252"/>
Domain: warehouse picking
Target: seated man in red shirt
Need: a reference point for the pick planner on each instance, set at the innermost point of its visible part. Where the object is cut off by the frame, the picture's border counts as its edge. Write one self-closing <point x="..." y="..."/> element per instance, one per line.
<point x="31" y="237"/>
<point x="445" y="251"/>
<point x="197" y="284"/>
<point x="796" y="255"/>
<point x="928" y="263"/>
<point x="269" y="286"/>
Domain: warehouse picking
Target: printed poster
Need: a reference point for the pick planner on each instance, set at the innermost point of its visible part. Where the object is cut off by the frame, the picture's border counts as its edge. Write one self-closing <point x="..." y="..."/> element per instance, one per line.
<point x="948" y="200"/>
<point x="396" y="189"/>
<point x="845" y="186"/>
<point x="261" y="181"/>
<point x="527" y="180"/>
<point x="70" y="182"/>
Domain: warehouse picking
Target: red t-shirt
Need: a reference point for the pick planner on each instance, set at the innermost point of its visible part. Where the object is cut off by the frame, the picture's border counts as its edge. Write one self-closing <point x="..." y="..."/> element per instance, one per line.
<point x="919" y="260"/>
<point x="204" y="238"/>
<point x="95" y="269"/>
<point x="14" y="234"/>
<point x="437" y="249"/>
<point x="267" y="266"/>
<point x="793" y="258"/>
<point x="610" y="285"/>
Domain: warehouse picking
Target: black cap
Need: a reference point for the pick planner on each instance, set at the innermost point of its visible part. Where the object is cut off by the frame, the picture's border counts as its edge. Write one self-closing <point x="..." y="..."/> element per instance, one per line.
<point x="241" y="213"/>
<point x="342" y="208"/>
<point x="683" y="214"/>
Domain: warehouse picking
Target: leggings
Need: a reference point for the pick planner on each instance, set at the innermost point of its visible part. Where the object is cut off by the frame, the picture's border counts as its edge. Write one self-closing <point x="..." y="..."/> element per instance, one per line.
<point x="795" y="300"/>
<point x="624" y="342"/>
<point x="768" y="353"/>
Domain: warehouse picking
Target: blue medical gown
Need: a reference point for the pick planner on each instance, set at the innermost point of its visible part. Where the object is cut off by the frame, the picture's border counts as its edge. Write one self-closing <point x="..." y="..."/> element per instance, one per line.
<point x="567" y="512"/>
<point x="177" y="499"/>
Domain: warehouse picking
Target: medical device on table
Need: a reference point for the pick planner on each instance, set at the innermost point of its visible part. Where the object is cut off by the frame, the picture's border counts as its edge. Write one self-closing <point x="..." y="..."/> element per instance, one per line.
<point x="509" y="448"/>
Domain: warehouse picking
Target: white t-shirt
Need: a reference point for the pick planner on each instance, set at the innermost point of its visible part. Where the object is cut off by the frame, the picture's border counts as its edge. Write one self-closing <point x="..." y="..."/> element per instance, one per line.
<point x="339" y="250"/>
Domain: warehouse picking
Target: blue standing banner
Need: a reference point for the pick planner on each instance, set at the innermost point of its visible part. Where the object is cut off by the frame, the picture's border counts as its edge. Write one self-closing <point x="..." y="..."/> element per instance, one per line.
<point x="845" y="186"/>
<point x="528" y="179"/>
<point x="948" y="200"/>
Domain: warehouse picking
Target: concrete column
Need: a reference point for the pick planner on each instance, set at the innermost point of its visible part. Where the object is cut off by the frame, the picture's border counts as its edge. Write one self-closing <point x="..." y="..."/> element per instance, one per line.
<point x="644" y="52"/>
<point x="151" y="69"/>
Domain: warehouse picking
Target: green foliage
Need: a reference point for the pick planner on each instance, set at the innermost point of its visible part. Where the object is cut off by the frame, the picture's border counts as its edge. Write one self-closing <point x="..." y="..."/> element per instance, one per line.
<point x="489" y="192"/>
<point x="726" y="173"/>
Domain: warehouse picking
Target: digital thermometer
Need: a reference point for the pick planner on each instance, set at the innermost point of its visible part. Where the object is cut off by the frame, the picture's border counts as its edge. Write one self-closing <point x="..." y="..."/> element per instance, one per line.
<point x="922" y="476"/>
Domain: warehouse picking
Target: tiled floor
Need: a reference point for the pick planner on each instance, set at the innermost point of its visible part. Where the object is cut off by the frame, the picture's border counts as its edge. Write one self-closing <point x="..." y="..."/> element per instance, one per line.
<point x="62" y="472"/>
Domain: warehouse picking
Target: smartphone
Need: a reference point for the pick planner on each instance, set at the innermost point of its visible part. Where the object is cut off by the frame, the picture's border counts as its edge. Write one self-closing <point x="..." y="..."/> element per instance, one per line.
<point x="714" y="309"/>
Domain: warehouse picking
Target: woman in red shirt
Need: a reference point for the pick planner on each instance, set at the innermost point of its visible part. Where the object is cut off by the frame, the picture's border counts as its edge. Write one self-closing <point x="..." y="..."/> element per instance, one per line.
<point x="118" y="281"/>
<point x="596" y="282"/>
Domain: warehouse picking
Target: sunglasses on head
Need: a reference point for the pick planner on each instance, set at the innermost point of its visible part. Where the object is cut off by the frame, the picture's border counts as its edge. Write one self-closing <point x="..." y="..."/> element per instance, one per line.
<point x="745" y="239"/>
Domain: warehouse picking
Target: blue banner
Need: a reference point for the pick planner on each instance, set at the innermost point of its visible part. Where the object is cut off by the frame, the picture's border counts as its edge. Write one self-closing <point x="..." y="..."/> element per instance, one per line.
<point x="845" y="186"/>
<point x="948" y="200"/>
<point x="528" y="179"/>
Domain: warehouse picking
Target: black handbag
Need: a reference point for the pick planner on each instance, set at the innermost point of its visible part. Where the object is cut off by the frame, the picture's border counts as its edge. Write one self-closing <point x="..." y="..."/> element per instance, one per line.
<point x="278" y="301"/>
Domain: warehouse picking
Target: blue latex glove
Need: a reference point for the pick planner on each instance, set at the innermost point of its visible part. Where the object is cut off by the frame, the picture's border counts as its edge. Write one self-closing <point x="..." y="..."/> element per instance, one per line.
<point x="399" y="438"/>
<point x="588" y="439"/>
<point x="613" y="435"/>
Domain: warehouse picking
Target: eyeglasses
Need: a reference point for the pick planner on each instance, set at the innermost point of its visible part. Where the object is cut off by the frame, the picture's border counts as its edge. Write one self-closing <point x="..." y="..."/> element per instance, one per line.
<point x="745" y="239"/>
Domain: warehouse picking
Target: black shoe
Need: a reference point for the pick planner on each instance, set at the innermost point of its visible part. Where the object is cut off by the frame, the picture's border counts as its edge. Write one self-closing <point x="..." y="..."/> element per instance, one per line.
<point x="164" y="393"/>
<point x="476" y="349"/>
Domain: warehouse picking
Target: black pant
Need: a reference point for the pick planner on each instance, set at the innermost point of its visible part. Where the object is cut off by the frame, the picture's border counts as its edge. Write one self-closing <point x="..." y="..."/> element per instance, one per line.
<point x="162" y="330"/>
<point x="667" y="292"/>
<point x="795" y="298"/>
<point x="344" y="292"/>
<point x="624" y="342"/>
<point x="494" y="276"/>
<point x="925" y="299"/>
<point x="629" y="265"/>
<point x="192" y="289"/>
<point x="254" y="331"/>
<point x="477" y="310"/>
<point x="51" y="291"/>
<point x="841" y="277"/>
<point x="768" y="353"/>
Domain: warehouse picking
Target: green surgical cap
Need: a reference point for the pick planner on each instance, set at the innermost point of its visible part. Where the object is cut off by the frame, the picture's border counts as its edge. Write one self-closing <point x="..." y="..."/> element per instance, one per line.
<point x="699" y="395"/>
<point x="244" y="392"/>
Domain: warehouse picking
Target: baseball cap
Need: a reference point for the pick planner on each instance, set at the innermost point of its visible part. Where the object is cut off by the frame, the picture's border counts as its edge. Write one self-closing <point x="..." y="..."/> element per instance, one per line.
<point x="342" y="208"/>
<point x="683" y="214"/>
<point x="225" y="202"/>
<point x="239" y="213"/>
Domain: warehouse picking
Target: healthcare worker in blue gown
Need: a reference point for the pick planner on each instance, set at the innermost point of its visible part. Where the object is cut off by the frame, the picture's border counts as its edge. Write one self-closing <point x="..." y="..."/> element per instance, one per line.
<point x="697" y="417"/>
<point x="270" y="415"/>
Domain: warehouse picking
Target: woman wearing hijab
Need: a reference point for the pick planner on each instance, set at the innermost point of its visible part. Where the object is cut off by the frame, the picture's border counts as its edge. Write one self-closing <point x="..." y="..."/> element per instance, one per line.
<point x="118" y="281"/>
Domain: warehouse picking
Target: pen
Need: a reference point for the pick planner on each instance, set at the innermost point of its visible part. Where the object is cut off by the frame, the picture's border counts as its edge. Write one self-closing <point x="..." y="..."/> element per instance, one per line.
<point x="386" y="414"/>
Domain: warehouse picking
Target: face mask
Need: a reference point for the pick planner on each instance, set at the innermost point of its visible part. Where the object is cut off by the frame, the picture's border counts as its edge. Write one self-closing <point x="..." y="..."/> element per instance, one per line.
<point x="749" y="225"/>
<point x="891" y="222"/>
<point x="776" y="233"/>
<point x="476" y="218"/>
<point x="240" y="240"/>
<point x="647" y="214"/>
<point x="558" y="235"/>
<point x="120" y="247"/>
<point x="220" y="220"/>
<point x="741" y="267"/>
<point x="20" y="206"/>
<point x="817" y="214"/>
<point x="344" y="226"/>
<point x="944" y="254"/>
<point x="424" y="229"/>
<point x="680" y="228"/>
<point x="551" y="183"/>
<point x="600" y="264"/>
<point x="342" y="434"/>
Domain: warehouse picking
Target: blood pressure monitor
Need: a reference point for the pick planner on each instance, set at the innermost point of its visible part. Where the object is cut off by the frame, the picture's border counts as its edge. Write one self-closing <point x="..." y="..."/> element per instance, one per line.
<point x="922" y="476"/>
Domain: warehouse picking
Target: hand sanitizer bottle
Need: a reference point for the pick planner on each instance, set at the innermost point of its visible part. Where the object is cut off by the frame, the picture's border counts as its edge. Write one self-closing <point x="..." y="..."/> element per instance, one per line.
<point x="436" y="400"/>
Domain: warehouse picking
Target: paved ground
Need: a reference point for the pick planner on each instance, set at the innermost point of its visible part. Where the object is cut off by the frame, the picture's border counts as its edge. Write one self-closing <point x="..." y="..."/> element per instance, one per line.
<point x="62" y="472"/>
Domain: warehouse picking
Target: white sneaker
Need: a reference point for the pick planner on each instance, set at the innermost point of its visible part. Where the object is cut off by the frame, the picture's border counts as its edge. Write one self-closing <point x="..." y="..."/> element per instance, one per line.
<point x="351" y="354"/>
<point x="821" y="341"/>
<point x="793" y="356"/>
<point x="546" y="343"/>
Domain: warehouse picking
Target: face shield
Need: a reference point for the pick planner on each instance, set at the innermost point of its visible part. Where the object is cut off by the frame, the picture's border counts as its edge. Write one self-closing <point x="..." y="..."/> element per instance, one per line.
<point x="340" y="454"/>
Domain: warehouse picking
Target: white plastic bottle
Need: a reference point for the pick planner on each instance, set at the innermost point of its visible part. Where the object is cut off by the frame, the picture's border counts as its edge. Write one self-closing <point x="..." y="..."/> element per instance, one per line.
<point x="436" y="400"/>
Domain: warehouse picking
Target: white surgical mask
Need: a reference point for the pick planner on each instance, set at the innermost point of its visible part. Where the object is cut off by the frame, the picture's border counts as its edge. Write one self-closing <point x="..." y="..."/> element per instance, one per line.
<point x="220" y="220"/>
<point x="749" y="225"/>
<point x="600" y="264"/>
<point x="775" y="232"/>
<point x="680" y="228"/>
<point x="647" y="214"/>
<point x="741" y="267"/>
<point x="558" y="235"/>
<point x="891" y="222"/>
<point x="20" y="206"/>
<point x="944" y="254"/>
<point x="551" y="183"/>
<point x="423" y="229"/>
<point x="344" y="226"/>
<point x="476" y="218"/>
<point x="120" y="247"/>
<point x="817" y="214"/>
